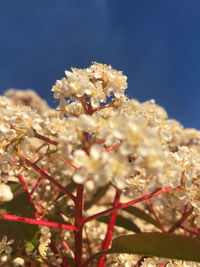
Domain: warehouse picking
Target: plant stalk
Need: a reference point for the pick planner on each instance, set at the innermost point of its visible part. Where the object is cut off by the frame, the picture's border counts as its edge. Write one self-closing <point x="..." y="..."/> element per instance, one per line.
<point x="78" y="238"/>
<point x="110" y="228"/>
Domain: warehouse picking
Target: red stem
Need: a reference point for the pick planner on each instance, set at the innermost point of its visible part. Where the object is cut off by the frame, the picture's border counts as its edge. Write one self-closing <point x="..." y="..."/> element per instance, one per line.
<point x="69" y="163"/>
<point x="40" y="147"/>
<point x="110" y="228"/>
<point x="21" y="179"/>
<point x="78" y="218"/>
<point x="45" y="175"/>
<point x="66" y="246"/>
<point x="99" y="141"/>
<point x="189" y="231"/>
<point x="121" y="206"/>
<point x="102" y="107"/>
<point x="111" y="148"/>
<point x="56" y="253"/>
<point x="180" y="221"/>
<point x="36" y="184"/>
<point x="86" y="106"/>
<point x="46" y="139"/>
<point x="9" y="217"/>
<point x="90" y="108"/>
<point x="155" y="216"/>
<point x="52" y="246"/>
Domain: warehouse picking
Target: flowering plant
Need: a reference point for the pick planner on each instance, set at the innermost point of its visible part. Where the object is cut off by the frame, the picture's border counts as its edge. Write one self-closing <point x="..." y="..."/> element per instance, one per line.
<point x="102" y="181"/>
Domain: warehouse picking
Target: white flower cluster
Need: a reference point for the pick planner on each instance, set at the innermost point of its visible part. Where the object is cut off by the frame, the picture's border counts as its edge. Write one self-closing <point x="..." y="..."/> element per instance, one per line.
<point x="44" y="240"/>
<point x="5" y="245"/>
<point x="27" y="98"/>
<point x="97" y="82"/>
<point x="99" y="136"/>
<point x="128" y="260"/>
<point x="122" y="141"/>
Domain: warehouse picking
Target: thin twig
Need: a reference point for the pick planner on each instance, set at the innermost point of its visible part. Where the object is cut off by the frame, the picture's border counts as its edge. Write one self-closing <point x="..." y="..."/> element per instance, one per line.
<point x="121" y="206"/>
<point x="110" y="228"/>
<point x="9" y="217"/>
<point x="45" y="175"/>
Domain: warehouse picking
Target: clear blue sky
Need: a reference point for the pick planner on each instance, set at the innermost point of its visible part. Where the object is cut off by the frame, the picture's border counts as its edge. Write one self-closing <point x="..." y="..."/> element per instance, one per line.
<point x="155" y="43"/>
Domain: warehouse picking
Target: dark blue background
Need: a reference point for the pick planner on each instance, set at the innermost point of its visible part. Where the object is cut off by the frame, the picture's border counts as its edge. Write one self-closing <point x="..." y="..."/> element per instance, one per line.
<point x="155" y="43"/>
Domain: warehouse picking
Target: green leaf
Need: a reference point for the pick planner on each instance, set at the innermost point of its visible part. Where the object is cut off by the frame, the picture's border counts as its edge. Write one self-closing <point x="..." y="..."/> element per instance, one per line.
<point x="32" y="245"/>
<point x="141" y="214"/>
<point x="24" y="235"/>
<point x="97" y="196"/>
<point x="157" y="244"/>
<point x="122" y="222"/>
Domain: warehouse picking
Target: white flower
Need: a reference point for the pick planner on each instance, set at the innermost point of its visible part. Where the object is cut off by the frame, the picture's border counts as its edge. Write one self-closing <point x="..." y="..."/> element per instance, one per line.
<point x="5" y="193"/>
<point x="117" y="168"/>
<point x="86" y="122"/>
<point x="62" y="106"/>
<point x="5" y="245"/>
<point x="81" y="176"/>
<point x="89" y="165"/>
<point x="4" y="127"/>
<point x="44" y="241"/>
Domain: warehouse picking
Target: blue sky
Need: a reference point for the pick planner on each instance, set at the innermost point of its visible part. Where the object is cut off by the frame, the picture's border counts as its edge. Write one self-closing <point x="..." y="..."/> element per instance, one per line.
<point x="155" y="43"/>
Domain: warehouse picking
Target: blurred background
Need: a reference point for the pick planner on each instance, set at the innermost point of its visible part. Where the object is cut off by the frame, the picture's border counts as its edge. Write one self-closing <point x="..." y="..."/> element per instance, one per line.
<point x="155" y="43"/>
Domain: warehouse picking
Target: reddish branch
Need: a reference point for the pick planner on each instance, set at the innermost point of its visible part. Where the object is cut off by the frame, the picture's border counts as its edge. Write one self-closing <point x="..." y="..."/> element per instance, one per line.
<point x="121" y="206"/>
<point x="36" y="184"/>
<point x="155" y="216"/>
<point x="48" y="140"/>
<point x="78" y="218"/>
<point x="21" y="179"/>
<point x="189" y="231"/>
<point x="45" y="175"/>
<point x="69" y="163"/>
<point x="5" y="216"/>
<point x="110" y="228"/>
<point x="180" y="221"/>
<point x="56" y="253"/>
<point x="111" y="148"/>
<point x="37" y="216"/>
